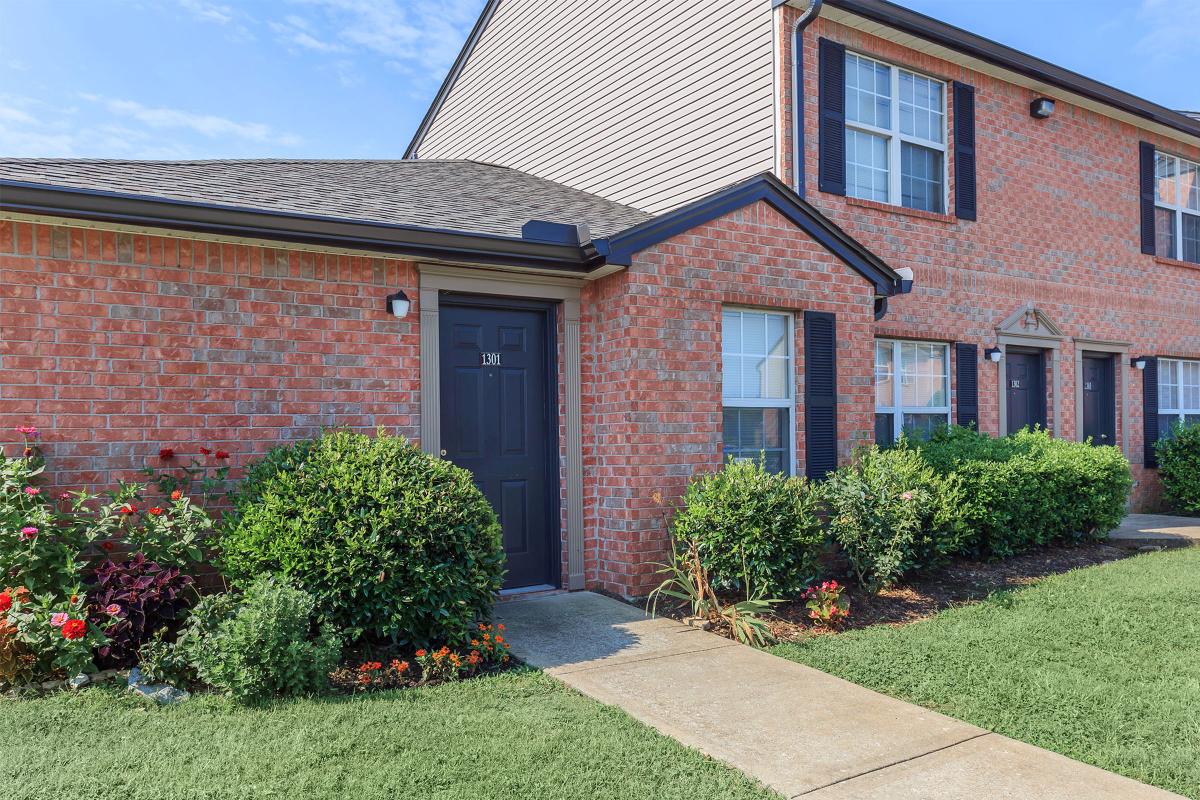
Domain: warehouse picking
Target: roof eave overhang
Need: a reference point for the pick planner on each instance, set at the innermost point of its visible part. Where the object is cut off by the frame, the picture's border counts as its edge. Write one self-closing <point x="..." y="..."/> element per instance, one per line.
<point x="1007" y="58"/>
<point x="400" y="240"/>
<point x="620" y="248"/>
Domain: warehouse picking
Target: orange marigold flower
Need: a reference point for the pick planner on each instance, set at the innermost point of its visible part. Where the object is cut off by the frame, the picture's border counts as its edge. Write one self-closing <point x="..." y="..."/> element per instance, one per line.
<point x="175" y="495"/>
<point x="399" y="666"/>
<point x="500" y="626"/>
<point x="499" y="639"/>
<point x="420" y="654"/>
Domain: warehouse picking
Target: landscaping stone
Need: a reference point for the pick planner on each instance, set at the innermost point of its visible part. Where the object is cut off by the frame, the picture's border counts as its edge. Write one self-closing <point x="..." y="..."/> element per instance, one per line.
<point x="79" y="681"/>
<point x="161" y="693"/>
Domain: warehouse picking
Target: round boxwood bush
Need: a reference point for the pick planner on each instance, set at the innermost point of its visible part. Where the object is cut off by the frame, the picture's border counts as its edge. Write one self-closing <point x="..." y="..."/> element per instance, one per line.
<point x="753" y="529"/>
<point x="1179" y="467"/>
<point x="392" y="543"/>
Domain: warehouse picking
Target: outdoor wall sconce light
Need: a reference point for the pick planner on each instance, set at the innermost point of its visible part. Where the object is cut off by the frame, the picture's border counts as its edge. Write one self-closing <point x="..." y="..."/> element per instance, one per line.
<point x="906" y="279"/>
<point x="993" y="354"/>
<point x="398" y="305"/>
<point x="1139" y="362"/>
<point x="1041" y="108"/>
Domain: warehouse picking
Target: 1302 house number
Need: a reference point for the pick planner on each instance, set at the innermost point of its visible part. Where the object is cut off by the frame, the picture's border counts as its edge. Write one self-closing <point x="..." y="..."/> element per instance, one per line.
<point x="489" y="359"/>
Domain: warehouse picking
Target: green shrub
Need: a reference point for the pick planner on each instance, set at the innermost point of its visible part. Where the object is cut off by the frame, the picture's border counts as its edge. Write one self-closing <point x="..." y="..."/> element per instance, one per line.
<point x="392" y="544"/>
<point x="754" y="526"/>
<point x="1179" y="467"/>
<point x="1030" y="489"/>
<point x="256" y="646"/>
<point x="892" y="514"/>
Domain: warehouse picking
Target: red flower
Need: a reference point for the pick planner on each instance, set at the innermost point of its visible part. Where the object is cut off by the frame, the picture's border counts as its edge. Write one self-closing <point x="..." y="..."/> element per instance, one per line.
<point x="28" y="452"/>
<point x="127" y="509"/>
<point x="221" y="455"/>
<point x="204" y="451"/>
<point x="370" y="666"/>
<point x="175" y="495"/>
<point x="5" y="602"/>
<point x="74" y="629"/>
<point x="156" y="511"/>
<point x="166" y="454"/>
<point x="107" y="547"/>
<point x="420" y="654"/>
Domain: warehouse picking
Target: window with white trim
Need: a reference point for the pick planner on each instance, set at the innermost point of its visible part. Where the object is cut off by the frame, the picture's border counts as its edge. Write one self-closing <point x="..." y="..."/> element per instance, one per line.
<point x="1178" y="394"/>
<point x="1176" y="208"/>
<point x="757" y="394"/>
<point x="895" y="135"/>
<point x="912" y="389"/>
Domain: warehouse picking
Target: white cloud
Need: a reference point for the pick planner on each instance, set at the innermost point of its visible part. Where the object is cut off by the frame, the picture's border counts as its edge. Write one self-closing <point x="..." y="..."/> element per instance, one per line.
<point x="208" y="12"/>
<point x="1171" y="29"/>
<point x="208" y="125"/>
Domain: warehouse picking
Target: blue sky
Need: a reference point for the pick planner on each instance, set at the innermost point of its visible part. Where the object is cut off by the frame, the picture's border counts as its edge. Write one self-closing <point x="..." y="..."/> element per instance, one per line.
<point x="351" y="78"/>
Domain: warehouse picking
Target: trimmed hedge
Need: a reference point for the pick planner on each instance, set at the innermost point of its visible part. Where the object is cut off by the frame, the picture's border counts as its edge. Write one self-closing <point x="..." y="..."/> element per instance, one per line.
<point x="391" y="543"/>
<point x="752" y="527"/>
<point x="1179" y="467"/>
<point x="1030" y="489"/>
<point x="892" y="513"/>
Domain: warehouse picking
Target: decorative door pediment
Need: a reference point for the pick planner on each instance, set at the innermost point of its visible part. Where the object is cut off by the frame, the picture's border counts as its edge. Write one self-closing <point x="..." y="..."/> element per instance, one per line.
<point x="1030" y="321"/>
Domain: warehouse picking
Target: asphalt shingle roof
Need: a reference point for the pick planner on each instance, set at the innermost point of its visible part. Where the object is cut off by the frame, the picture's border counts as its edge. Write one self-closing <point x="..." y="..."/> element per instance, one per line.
<point x="466" y="196"/>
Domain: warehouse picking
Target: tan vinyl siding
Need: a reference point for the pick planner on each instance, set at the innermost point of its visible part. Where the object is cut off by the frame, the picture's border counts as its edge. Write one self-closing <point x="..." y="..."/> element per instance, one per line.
<point x="648" y="104"/>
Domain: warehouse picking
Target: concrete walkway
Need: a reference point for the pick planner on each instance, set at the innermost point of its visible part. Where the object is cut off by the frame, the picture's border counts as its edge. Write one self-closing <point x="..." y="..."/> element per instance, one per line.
<point x="800" y="731"/>
<point x="1157" y="530"/>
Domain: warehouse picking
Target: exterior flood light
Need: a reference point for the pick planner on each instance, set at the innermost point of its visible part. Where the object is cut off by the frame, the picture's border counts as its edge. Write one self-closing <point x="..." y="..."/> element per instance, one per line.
<point x="1041" y="108"/>
<point x="1139" y="362"/>
<point x="993" y="354"/>
<point x="398" y="305"/>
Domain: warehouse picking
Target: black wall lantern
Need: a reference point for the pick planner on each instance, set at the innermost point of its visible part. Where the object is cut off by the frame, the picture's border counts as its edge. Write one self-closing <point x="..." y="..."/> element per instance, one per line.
<point x="398" y="305"/>
<point x="1041" y="108"/>
<point x="1139" y="362"/>
<point x="993" y="354"/>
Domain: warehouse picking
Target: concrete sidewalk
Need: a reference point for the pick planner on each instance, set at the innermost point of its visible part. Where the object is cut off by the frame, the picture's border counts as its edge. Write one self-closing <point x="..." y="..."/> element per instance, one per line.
<point x="800" y="731"/>
<point x="1156" y="530"/>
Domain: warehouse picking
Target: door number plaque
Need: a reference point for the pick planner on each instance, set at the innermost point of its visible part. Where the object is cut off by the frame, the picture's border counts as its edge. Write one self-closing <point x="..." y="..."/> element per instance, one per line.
<point x="1014" y="384"/>
<point x="489" y="359"/>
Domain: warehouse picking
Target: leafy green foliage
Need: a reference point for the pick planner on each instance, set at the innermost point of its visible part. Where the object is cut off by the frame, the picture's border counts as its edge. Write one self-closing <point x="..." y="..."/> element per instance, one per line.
<point x="893" y="514"/>
<point x="392" y="544"/>
<point x="1030" y="489"/>
<point x="754" y="530"/>
<point x="54" y="630"/>
<point x="259" y="645"/>
<point x="1179" y="467"/>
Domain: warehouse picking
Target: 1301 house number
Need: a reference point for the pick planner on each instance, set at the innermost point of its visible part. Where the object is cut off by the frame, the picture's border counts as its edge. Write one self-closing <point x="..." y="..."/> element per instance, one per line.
<point x="489" y="359"/>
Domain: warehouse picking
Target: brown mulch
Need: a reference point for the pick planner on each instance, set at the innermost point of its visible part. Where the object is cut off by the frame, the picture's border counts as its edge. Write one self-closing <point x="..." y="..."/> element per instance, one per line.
<point x="961" y="581"/>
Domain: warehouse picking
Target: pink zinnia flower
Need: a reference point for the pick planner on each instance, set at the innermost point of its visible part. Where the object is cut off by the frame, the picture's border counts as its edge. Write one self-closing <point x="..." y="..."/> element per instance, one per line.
<point x="32" y="491"/>
<point x="28" y="532"/>
<point x="906" y="496"/>
<point x="59" y="619"/>
<point x="113" y="610"/>
<point x="27" y="430"/>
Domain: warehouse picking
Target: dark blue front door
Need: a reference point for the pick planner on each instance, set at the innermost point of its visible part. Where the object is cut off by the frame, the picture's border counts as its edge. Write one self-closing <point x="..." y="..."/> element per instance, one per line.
<point x="1026" y="374"/>
<point x="497" y="416"/>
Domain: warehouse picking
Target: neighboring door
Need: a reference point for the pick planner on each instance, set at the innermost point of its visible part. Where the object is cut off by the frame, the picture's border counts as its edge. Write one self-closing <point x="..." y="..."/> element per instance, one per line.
<point x="1026" y="376"/>
<point x="1099" y="399"/>
<point x="496" y="391"/>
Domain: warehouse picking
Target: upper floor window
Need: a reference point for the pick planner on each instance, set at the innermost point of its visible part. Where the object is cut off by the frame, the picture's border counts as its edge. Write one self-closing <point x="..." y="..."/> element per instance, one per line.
<point x="895" y="135"/>
<point x="1176" y="208"/>
<point x="757" y="380"/>
<point x="912" y="389"/>
<point x="1178" y="393"/>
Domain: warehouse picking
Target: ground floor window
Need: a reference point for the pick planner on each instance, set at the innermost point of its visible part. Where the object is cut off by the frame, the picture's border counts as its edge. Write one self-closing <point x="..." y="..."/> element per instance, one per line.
<point x="758" y="376"/>
<point x="1178" y="393"/>
<point x="912" y="389"/>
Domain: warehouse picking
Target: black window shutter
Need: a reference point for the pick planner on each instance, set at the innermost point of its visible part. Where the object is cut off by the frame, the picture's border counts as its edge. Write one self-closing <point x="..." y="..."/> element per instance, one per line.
<point x="1146" y="191"/>
<point x="1150" y="410"/>
<point x="820" y="394"/>
<point x="966" y="366"/>
<point x="831" y="133"/>
<point x="964" y="151"/>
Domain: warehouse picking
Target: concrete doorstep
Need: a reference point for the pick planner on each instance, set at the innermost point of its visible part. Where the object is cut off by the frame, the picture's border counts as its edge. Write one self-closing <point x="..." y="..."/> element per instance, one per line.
<point x="1156" y="531"/>
<point x="799" y="731"/>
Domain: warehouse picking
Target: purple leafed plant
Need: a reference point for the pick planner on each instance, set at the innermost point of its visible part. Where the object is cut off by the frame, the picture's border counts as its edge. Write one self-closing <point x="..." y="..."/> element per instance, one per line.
<point x="130" y="601"/>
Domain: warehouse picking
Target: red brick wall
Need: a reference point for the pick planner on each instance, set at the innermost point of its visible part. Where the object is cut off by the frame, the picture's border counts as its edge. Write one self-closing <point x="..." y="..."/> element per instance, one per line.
<point x="652" y="372"/>
<point x="1057" y="226"/>
<point x="117" y="344"/>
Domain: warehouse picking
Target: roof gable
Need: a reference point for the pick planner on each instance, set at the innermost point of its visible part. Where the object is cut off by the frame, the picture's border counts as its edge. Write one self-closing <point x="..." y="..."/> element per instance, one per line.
<point x="621" y="247"/>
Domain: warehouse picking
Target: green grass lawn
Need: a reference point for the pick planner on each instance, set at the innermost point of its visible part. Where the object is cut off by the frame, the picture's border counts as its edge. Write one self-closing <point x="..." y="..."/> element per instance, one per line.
<point x="1101" y="664"/>
<point x="519" y="734"/>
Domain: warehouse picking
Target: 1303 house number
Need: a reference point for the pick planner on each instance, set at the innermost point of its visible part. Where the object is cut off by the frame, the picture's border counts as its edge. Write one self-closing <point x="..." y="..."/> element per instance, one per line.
<point x="489" y="359"/>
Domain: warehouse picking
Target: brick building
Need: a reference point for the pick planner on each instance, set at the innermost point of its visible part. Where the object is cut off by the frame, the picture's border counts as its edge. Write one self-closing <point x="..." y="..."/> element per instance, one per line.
<point x="789" y="230"/>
